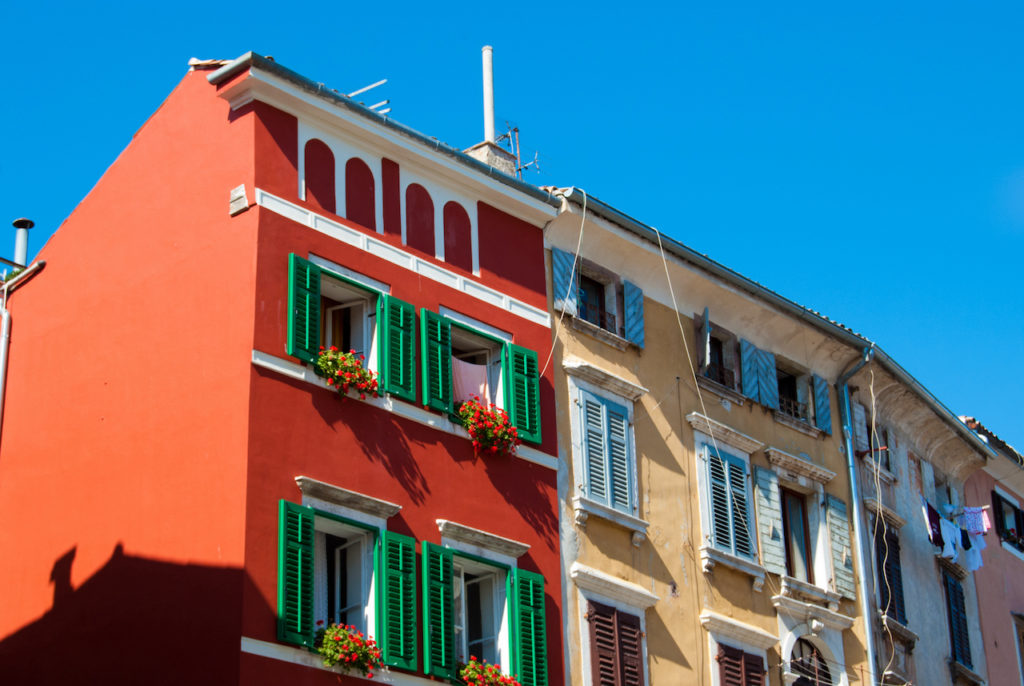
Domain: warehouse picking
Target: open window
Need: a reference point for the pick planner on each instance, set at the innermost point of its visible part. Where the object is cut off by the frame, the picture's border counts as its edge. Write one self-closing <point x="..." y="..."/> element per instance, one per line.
<point x="462" y="358"/>
<point x="480" y="611"/>
<point x="328" y="308"/>
<point x="718" y="353"/>
<point x="597" y="296"/>
<point x="794" y="393"/>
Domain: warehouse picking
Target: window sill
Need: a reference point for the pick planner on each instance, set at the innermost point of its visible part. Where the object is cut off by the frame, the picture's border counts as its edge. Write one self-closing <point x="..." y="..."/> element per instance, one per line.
<point x="887" y="513"/>
<point x="409" y="411"/>
<point x="883" y="473"/>
<point x="710" y="557"/>
<point x="798" y="424"/>
<point x="964" y="674"/>
<point x="584" y="508"/>
<point x="721" y="391"/>
<point x="953" y="568"/>
<point x="801" y="590"/>
<point x="306" y="658"/>
<point x="595" y="331"/>
<point x="898" y="629"/>
<point x="815" y="616"/>
<point x="1012" y="549"/>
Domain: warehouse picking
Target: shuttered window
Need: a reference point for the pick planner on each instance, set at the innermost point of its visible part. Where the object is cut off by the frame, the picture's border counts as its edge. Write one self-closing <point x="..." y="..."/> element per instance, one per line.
<point x="303" y="339"/>
<point x="890" y="572"/>
<point x="729" y="499"/>
<point x="959" y="641"/>
<point x="522" y="391"/>
<point x="737" y="668"/>
<point x="607" y="438"/>
<point x="616" y="646"/>
<point x="395" y="567"/>
<point x="597" y="296"/>
<point x="842" y="553"/>
<point x="436" y="341"/>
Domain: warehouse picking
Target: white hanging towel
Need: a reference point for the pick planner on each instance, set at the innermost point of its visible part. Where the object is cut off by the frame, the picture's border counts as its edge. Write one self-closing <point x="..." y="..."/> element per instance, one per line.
<point x="951" y="538"/>
<point x="972" y="556"/>
<point x="468" y="379"/>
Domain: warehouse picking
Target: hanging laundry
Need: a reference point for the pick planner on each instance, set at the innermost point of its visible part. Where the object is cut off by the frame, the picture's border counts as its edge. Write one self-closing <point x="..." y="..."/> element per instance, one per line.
<point x="931" y="523"/>
<point x="951" y="538"/>
<point x="975" y="520"/>
<point x="977" y="541"/>
<point x="468" y="379"/>
<point x="972" y="551"/>
<point x="965" y="540"/>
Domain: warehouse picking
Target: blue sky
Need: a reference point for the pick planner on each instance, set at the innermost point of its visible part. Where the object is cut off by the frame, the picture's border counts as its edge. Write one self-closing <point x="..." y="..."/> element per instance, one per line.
<point x="867" y="162"/>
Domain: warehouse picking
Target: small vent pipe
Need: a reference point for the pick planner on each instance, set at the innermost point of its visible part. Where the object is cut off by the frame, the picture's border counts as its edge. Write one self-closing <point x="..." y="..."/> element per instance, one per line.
<point x="488" y="55"/>
<point x="22" y="226"/>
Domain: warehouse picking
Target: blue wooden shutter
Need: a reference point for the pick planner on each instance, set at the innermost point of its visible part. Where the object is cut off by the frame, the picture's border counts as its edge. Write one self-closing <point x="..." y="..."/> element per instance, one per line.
<point x="438" y="611"/>
<point x="720" y="510"/>
<point x="633" y="308"/>
<point x="397" y="344"/>
<point x="594" y="447"/>
<point x="522" y="391"/>
<point x="396" y="605"/>
<point x="740" y="506"/>
<point x="767" y="379"/>
<point x="842" y="553"/>
<point x="959" y="639"/>
<point x="529" y="654"/>
<point x="822" y="406"/>
<point x="565" y="281"/>
<point x="303" y="339"/>
<point x="749" y="358"/>
<point x="620" y="468"/>
<point x="769" y="520"/>
<point x="436" y="342"/>
<point x="295" y="574"/>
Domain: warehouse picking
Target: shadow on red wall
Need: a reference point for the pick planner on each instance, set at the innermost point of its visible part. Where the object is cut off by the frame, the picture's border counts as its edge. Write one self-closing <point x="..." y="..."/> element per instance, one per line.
<point x="136" y="620"/>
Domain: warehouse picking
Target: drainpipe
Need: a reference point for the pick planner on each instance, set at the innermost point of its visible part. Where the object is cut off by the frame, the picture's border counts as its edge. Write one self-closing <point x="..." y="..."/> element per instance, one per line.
<point x="5" y="326"/>
<point x="858" y="510"/>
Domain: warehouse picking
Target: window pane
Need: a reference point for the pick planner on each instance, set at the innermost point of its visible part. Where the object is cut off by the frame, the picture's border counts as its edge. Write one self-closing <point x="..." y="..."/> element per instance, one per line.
<point x="794" y="522"/>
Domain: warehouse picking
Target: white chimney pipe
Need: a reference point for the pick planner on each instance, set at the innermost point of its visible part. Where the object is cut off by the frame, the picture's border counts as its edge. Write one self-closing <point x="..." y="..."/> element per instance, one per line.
<point x="21" y="240"/>
<point x="488" y="93"/>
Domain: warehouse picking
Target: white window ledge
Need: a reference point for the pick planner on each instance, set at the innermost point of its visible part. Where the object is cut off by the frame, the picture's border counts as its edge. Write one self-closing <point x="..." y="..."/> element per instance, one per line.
<point x="345" y="498"/>
<point x="721" y="391"/>
<point x="798" y="465"/>
<point x="815" y="616"/>
<point x="724" y="433"/>
<point x="798" y="424"/>
<point x="606" y="380"/>
<point x="900" y="631"/>
<point x="583" y="508"/>
<point x="481" y="539"/>
<point x="727" y="627"/>
<point x="590" y="579"/>
<point x="603" y="335"/>
<point x="801" y="590"/>
<point x="710" y="557"/>
<point x="415" y="413"/>
<point x="1012" y="549"/>
<point x="888" y="514"/>
<point x="306" y="658"/>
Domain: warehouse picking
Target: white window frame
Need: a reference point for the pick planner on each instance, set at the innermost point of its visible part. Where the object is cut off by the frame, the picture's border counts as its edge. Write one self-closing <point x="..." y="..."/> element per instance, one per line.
<point x="365" y="584"/>
<point x="486" y="332"/>
<point x="705" y="446"/>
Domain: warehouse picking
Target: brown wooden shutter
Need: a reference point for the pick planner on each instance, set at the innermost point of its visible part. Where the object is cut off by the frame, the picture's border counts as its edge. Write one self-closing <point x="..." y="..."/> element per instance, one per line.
<point x="603" y="653"/>
<point x="730" y="666"/>
<point x="753" y="670"/>
<point x="631" y="651"/>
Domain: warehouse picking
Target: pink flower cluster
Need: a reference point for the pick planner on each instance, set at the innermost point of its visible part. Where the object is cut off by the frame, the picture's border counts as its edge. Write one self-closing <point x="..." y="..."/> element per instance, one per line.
<point x="489" y="428"/>
<point x="480" y="673"/>
<point x="347" y="647"/>
<point x="345" y="371"/>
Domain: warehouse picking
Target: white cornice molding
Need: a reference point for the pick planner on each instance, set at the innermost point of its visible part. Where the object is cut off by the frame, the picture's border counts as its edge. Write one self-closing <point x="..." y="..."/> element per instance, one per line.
<point x="801" y="590"/>
<point x="345" y="498"/>
<point x="724" y="433"/>
<point x="584" y="508"/>
<point x="582" y="369"/>
<point x="798" y="465"/>
<point x="590" y="579"/>
<point x="810" y="613"/>
<point x="888" y="514"/>
<point x="476" y="537"/>
<point x="727" y="627"/>
<point x="710" y="557"/>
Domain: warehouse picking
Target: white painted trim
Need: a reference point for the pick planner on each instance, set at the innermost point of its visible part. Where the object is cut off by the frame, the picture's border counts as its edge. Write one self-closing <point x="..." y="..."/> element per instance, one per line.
<point x="298" y="656"/>
<point x="1012" y="550"/>
<point x="799" y="465"/>
<point x="346" y="500"/>
<point x="596" y="581"/>
<point x="361" y="279"/>
<point x="723" y="433"/>
<point x="482" y="540"/>
<point x="1007" y="495"/>
<point x="595" y="375"/>
<point x="582" y="596"/>
<point x="398" y="407"/>
<point x="469" y="322"/>
<point x="711" y="556"/>
<point x="808" y="612"/>
<point x="727" y="627"/>
<point x="584" y="507"/>
<point x="384" y="250"/>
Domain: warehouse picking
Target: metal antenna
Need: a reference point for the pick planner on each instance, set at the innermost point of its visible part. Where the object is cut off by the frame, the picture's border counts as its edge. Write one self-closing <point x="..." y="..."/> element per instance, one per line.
<point x="366" y="88"/>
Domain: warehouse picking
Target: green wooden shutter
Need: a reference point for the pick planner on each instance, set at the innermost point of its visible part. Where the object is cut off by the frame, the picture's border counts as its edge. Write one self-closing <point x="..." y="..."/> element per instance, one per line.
<point x="633" y="307"/>
<point x="530" y="654"/>
<point x="397" y="344"/>
<point x="436" y="342"/>
<point x="769" y="520"/>
<point x="303" y="309"/>
<point x="438" y="612"/>
<point x="295" y="574"/>
<point x="522" y="391"/>
<point x="565" y="281"/>
<point x="822" y="406"/>
<point x="842" y="555"/>
<point x="395" y="573"/>
<point x="749" y="356"/>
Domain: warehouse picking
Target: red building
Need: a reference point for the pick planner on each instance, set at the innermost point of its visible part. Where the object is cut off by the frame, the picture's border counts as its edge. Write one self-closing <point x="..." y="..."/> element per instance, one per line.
<point x="184" y="498"/>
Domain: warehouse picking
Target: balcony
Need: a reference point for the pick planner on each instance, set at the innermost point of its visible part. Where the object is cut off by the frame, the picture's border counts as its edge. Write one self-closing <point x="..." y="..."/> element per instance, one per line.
<point x="793" y="408"/>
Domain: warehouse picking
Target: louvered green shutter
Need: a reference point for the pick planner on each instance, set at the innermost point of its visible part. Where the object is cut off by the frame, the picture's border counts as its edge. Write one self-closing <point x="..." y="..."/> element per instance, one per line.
<point x="620" y="469"/>
<point x="303" y="309"/>
<point x="398" y="353"/>
<point x="436" y="341"/>
<point x="749" y="356"/>
<point x="565" y="281"/>
<point x="822" y="406"/>
<point x="842" y="555"/>
<point x="767" y="379"/>
<point x="438" y="612"/>
<point x="395" y="572"/>
<point x="522" y="391"/>
<point x="769" y="520"/>
<point x="295" y="574"/>
<point x="592" y="413"/>
<point x="633" y="308"/>
<point x="529" y="655"/>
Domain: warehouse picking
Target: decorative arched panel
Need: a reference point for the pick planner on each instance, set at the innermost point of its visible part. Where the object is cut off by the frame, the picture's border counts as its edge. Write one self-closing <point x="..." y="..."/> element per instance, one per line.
<point x="360" y="205"/>
<point x="319" y="174"/>
<point x="458" y="236"/>
<point x="419" y="219"/>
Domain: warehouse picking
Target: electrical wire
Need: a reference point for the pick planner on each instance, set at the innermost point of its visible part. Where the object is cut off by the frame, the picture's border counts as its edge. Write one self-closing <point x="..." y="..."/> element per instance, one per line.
<point x="572" y="272"/>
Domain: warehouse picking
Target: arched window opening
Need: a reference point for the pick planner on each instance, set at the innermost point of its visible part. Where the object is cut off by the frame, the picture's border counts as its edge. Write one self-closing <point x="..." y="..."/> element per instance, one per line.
<point x="458" y="237"/>
<point x="360" y="205"/>
<point x="809" y="665"/>
<point x="319" y="174"/>
<point x="419" y="219"/>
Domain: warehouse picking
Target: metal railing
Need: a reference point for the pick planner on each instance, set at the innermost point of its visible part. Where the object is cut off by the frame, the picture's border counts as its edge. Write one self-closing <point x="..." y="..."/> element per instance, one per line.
<point x="793" y="408"/>
<point x="722" y="375"/>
